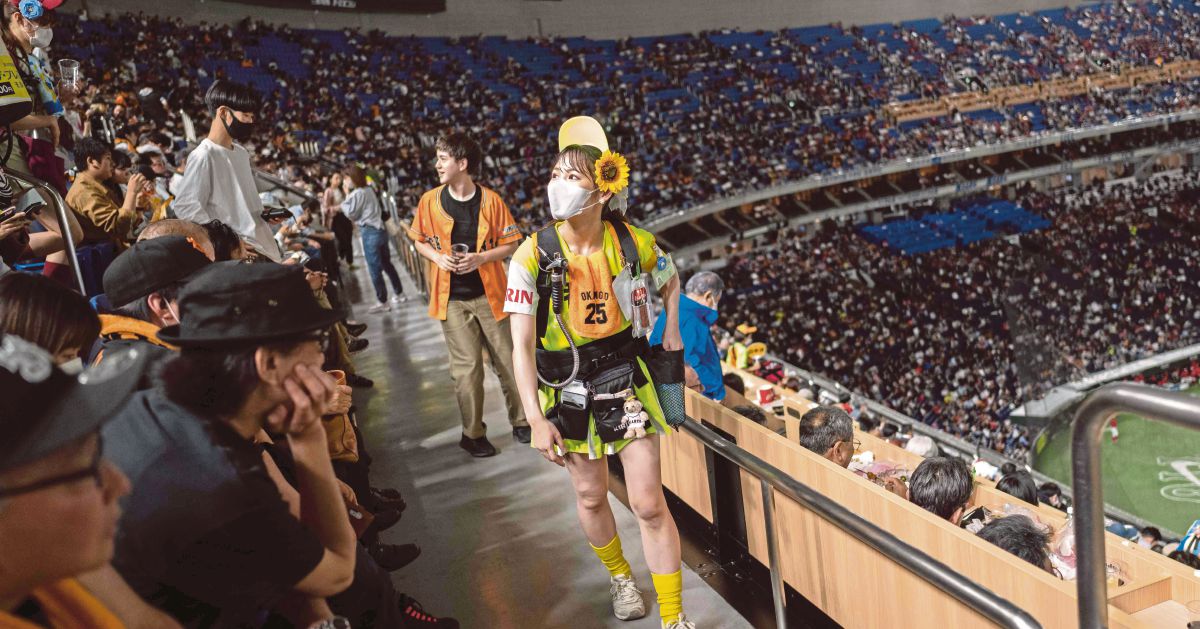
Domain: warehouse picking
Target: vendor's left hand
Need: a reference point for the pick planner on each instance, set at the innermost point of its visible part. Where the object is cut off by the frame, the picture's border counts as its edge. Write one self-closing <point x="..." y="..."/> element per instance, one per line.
<point x="672" y="342"/>
<point x="467" y="263"/>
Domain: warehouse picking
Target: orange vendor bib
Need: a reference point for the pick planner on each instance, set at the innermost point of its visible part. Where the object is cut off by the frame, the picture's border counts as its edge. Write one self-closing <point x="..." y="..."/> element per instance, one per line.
<point x="594" y="311"/>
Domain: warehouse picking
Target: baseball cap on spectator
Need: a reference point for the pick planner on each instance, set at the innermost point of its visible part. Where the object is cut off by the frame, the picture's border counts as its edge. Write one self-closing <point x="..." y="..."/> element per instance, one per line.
<point x="43" y="409"/>
<point x="230" y="303"/>
<point x="151" y="265"/>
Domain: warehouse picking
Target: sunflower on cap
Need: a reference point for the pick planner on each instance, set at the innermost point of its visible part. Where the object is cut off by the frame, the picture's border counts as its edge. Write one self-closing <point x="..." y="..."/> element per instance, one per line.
<point x="611" y="171"/>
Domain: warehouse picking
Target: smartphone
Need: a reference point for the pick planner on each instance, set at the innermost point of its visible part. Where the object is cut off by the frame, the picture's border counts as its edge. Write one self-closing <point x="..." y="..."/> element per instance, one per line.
<point x="29" y="204"/>
<point x="300" y="257"/>
<point x="276" y="213"/>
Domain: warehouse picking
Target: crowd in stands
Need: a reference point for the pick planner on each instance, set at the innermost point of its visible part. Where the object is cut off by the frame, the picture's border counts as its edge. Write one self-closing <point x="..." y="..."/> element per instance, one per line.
<point x="779" y="105"/>
<point x="959" y="337"/>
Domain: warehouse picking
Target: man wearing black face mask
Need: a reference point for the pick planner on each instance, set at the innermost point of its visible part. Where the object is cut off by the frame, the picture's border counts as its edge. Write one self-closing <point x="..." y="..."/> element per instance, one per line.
<point x="218" y="182"/>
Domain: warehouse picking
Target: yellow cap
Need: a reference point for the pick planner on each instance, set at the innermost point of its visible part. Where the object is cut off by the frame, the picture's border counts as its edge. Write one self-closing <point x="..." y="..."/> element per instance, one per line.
<point x="584" y="131"/>
<point x="746" y="328"/>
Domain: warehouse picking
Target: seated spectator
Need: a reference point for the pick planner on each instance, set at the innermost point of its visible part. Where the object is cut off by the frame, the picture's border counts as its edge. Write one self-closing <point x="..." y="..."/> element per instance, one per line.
<point x="942" y="486"/>
<point x="102" y="219"/>
<point x="697" y="315"/>
<point x="227" y="245"/>
<point x="196" y="234"/>
<point x="58" y="492"/>
<point x="1050" y="493"/>
<point x="142" y="286"/>
<point x="1019" y="484"/>
<point x="1184" y="557"/>
<point x="828" y="431"/>
<point x="245" y="551"/>
<point x="49" y="315"/>
<point x="735" y="383"/>
<point x="1150" y="537"/>
<point x="1019" y="535"/>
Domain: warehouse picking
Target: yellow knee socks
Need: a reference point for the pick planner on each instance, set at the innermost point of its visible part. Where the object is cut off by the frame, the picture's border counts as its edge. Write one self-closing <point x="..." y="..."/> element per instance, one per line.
<point x="613" y="558"/>
<point x="670" y="594"/>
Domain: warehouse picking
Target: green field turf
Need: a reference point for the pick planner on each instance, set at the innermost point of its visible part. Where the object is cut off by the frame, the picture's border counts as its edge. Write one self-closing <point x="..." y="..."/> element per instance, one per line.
<point x="1152" y="472"/>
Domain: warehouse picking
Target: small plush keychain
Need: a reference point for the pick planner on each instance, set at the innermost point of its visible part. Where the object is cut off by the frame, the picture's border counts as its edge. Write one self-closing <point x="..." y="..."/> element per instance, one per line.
<point x="635" y="418"/>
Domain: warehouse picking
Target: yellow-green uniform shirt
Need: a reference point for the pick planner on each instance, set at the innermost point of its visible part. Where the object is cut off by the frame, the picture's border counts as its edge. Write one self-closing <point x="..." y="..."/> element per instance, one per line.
<point x="522" y="298"/>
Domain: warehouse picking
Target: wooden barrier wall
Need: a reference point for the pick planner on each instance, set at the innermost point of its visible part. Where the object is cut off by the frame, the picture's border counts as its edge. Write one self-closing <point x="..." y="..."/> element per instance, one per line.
<point x="858" y="587"/>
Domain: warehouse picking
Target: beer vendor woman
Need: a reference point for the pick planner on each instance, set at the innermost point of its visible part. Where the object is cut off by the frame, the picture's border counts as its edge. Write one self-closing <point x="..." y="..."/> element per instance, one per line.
<point x="577" y="293"/>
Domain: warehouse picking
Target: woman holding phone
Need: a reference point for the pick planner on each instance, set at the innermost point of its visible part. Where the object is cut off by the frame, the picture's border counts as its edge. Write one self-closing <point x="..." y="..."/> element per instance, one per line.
<point x="362" y="205"/>
<point x="587" y="348"/>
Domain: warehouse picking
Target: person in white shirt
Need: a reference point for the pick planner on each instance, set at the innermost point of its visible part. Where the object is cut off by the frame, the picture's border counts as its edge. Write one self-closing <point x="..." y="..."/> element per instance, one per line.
<point x="218" y="182"/>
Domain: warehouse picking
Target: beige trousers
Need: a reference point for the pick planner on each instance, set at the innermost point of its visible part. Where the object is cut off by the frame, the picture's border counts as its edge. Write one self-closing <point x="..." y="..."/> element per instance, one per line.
<point x="470" y="328"/>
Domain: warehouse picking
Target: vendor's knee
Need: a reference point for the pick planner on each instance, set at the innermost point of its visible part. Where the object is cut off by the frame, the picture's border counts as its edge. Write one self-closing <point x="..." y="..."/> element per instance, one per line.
<point x="650" y="509"/>
<point x="592" y="499"/>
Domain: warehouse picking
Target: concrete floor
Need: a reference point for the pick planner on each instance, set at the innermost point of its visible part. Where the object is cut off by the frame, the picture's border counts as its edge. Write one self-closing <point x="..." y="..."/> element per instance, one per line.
<point x="501" y="543"/>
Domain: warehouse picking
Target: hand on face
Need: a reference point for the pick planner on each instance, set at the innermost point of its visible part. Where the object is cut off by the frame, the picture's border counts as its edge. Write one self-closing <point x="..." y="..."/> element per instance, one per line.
<point x="310" y="394"/>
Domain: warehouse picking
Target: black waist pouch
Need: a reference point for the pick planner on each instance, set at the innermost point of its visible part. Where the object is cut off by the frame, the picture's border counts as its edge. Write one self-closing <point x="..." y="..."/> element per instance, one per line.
<point x="610" y="385"/>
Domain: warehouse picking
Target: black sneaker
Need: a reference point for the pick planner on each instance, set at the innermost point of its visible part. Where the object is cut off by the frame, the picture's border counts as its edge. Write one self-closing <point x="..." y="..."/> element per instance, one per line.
<point x="392" y="557"/>
<point x="356" y="329"/>
<point x="357" y="345"/>
<point x="384" y="520"/>
<point x="358" y="381"/>
<point x="478" y="448"/>
<point x="414" y="616"/>
<point x="384" y="499"/>
<point x="523" y="434"/>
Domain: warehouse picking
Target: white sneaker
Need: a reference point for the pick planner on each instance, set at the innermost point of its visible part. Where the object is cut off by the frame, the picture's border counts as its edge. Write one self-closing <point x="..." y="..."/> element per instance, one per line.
<point x="626" y="598"/>
<point x="399" y="299"/>
<point x="679" y="623"/>
<point x="379" y="307"/>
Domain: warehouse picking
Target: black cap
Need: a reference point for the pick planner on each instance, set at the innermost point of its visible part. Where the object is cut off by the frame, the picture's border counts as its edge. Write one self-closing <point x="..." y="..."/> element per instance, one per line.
<point x="43" y="409"/>
<point x="151" y="265"/>
<point x="231" y="303"/>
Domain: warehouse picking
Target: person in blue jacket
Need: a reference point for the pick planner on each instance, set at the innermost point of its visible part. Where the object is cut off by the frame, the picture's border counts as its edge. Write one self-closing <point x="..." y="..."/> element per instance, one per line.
<point x="697" y="314"/>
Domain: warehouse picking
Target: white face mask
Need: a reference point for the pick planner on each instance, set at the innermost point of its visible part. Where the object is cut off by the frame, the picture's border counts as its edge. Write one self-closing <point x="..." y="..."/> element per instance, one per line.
<point x="72" y="367"/>
<point x="567" y="199"/>
<point x="41" y="37"/>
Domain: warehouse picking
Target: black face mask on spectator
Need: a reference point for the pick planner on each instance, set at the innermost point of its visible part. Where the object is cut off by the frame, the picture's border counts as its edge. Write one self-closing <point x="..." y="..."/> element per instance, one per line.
<point x="238" y="130"/>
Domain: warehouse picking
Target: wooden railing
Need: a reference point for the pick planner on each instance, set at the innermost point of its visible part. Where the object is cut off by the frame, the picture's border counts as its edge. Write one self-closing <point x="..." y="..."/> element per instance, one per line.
<point x="858" y="586"/>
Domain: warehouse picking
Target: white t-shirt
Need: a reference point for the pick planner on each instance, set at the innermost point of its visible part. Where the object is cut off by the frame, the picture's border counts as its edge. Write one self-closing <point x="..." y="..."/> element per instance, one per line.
<point x="218" y="183"/>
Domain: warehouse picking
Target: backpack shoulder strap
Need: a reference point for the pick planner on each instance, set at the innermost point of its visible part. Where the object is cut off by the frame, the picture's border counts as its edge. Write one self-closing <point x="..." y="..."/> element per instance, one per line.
<point x="629" y="250"/>
<point x="546" y="243"/>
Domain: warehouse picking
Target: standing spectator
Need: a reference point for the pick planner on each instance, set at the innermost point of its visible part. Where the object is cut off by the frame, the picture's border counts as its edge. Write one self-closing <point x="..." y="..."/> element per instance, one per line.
<point x="362" y="206"/>
<point x="100" y="217"/>
<point x="335" y="219"/>
<point x="467" y="289"/>
<point x="20" y="35"/>
<point x="697" y="315"/>
<point x="219" y="180"/>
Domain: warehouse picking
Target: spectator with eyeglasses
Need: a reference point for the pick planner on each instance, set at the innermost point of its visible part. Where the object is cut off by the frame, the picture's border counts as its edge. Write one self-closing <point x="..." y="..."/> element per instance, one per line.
<point x="59" y="493"/>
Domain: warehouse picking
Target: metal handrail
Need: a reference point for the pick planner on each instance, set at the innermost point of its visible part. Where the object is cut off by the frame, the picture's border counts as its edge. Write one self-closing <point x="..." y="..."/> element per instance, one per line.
<point x="1172" y="407"/>
<point x="985" y="602"/>
<point x="60" y="210"/>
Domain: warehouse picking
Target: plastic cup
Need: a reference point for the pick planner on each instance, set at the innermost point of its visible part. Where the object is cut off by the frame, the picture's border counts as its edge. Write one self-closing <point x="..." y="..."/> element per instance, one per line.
<point x="459" y="249"/>
<point x="68" y="73"/>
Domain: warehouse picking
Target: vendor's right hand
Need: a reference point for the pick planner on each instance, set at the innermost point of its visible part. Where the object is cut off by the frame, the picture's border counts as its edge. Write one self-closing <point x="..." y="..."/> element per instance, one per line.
<point x="545" y="439"/>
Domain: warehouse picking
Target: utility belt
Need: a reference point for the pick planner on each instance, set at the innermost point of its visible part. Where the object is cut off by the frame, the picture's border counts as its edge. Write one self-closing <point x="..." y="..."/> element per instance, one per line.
<point x="609" y="373"/>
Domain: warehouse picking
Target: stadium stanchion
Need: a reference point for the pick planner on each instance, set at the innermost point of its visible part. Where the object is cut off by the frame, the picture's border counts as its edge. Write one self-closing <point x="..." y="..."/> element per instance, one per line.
<point x="1173" y="407"/>
<point x="773" y="554"/>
